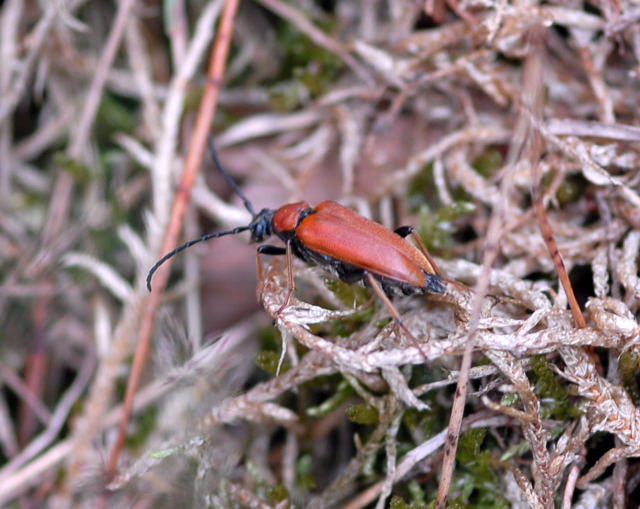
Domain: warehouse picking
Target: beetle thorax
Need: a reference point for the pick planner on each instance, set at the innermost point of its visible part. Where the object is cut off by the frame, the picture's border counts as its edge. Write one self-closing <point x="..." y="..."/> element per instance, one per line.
<point x="287" y="218"/>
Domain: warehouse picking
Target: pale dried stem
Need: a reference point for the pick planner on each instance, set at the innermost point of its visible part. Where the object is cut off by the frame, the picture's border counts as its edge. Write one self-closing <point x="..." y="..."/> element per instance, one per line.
<point x="438" y="98"/>
<point x="194" y="157"/>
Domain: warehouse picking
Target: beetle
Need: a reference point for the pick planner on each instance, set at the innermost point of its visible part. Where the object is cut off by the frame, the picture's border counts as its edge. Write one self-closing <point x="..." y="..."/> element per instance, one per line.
<point x="346" y="244"/>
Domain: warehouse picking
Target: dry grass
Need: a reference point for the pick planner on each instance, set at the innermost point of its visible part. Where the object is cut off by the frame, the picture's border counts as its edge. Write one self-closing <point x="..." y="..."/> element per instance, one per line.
<point x="482" y="123"/>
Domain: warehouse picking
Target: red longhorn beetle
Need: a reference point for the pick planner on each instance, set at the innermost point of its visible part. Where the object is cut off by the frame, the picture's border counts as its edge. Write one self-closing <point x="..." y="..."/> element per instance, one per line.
<point x="343" y="242"/>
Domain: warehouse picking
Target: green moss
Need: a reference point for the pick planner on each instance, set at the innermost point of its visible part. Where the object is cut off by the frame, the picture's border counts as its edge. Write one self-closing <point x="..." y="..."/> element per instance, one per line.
<point x="287" y="95"/>
<point x="509" y="399"/>
<point x="268" y="360"/>
<point x="381" y="324"/>
<point x="417" y="494"/>
<point x="429" y="421"/>
<point x="325" y="383"/>
<point x="476" y="483"/>
<point x="145" y="424"/>
<point x="343" y="392"/>
<point x="457" y="503"/>
<point x="488" y="163"/>
<point x="556" y="402"/>
<point x="269" y="338"/>
<point x="571" y="189"/>
<point x="436" y="228"/>
<point x="351" y="295"/>
<point x="362" y="414"/>
<point x="106" y="241"/>
<point x="305" y="480"/>
<point x="276" y="493"/>
<point x="301" y="50"/>
<point x="421" y="189"/>
<point x="435" y="223"/>
<point x="114" y="115"/>
<point x="412" y="418"/>
<point x="306" y="72"/>
<point x="76" y="169"/>
<point x="346" y="326"/>
<point x="369" y="466"/>
<point x="397" y="502"/>
<point x="515" y="450"/>
<point x="628" y="365"/>
<point x="469" y="445"/>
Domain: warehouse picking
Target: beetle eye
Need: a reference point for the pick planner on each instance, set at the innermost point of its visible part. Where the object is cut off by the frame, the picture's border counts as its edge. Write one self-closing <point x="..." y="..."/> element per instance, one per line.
<point x="261" y="226"/>
<point x="259" y="232"/>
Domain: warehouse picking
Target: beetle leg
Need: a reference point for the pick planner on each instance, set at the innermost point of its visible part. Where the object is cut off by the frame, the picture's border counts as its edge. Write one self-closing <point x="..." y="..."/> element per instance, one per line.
<point x="272" y="250"/>
<point x="427" y="255"/>
<point x="405" y="231"/>
<point x="349" y="274"/>
<point x="265" y="250"/>
<point x="394" y="312"/>
<point x="291" y="284"/>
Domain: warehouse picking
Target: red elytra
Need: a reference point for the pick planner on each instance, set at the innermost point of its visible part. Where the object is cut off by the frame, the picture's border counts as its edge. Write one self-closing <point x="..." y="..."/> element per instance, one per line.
<point x="341" y="234"/>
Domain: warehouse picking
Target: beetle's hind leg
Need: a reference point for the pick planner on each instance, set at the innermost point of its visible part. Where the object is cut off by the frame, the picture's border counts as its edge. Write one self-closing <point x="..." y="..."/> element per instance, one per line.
<point x="405" y="231"/>
<point x="375" y="285"/>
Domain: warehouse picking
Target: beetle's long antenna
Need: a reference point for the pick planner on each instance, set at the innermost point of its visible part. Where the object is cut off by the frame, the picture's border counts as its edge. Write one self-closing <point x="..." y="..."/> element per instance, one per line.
<point x="184" y="246"/>
<point x="228" y="177"/>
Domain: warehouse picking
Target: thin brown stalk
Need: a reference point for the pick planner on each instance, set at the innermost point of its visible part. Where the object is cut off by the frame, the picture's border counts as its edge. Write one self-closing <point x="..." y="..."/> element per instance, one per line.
<point x="192" y="165"/>
<point x="453" y="431"/>
<point x="35" y="369"/>
<point x="533" y="75"/>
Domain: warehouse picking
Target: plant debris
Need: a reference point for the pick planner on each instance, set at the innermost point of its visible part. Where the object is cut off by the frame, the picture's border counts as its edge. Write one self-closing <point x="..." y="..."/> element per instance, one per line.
<point x="506" y="132"/>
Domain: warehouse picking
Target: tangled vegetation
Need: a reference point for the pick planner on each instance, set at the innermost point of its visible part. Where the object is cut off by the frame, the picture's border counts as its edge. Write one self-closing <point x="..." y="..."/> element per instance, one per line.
<point x="506" y="131"/>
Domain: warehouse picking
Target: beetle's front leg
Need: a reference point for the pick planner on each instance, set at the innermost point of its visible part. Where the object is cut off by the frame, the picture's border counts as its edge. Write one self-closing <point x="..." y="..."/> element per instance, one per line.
<point x="277" y="251"/>
<point x="291" y="283"/>
<point x="265" y="250"/>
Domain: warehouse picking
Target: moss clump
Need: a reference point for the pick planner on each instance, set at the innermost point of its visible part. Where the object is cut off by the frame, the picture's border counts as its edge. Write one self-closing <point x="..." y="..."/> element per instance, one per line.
<point x="556" y="402"/>
<point x="268" y="360"/>
<point x="362" y="414"/>
<point x="628" y="364"/>
<point x="436" y="228"/>
<point x="342" y="393"/>
<point x="488" y="163"/>
<point x="276" y="493"/>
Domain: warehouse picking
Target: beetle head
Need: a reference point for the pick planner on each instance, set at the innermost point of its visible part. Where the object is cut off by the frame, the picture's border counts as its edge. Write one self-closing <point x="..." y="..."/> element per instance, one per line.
<point x="262" y="225"/>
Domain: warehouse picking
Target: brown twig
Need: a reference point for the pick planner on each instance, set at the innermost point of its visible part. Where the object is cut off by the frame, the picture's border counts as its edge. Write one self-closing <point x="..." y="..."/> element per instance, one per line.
<point x="442" y="88"/>
<point x="36" y="368"/>
<point x="533" y="75"/>
<point x="192" y="165"/>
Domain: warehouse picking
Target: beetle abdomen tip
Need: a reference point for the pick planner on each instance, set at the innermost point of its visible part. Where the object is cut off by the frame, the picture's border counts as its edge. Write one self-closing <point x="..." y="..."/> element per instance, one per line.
<point x="435" y="284"/>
